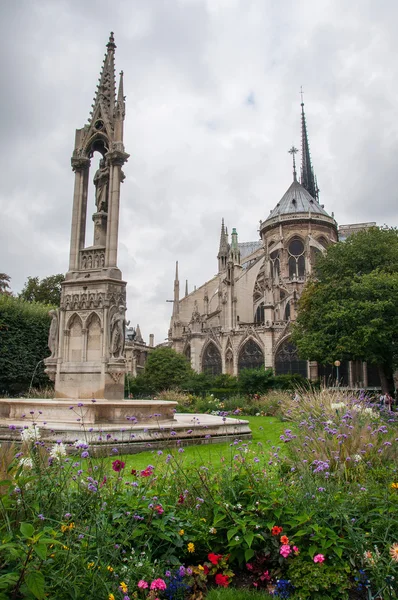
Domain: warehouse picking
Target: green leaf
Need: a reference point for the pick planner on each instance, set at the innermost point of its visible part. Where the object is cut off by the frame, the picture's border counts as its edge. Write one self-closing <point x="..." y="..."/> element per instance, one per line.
<point x="338" y="551"/>
<point x="312" y="550"/>
<point x="27" y="529"/>
<point x="249" y="553"/>
<point x="231" y="533"/>
<point x="35" y="582"/>
<point x="5" y="482"/>
<point x="41" y="551"/>
<point x="248" y="537"/>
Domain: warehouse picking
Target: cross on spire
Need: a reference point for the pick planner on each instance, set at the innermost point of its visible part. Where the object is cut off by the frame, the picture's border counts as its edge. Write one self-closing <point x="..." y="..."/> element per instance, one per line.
<point x="293" y="151"/>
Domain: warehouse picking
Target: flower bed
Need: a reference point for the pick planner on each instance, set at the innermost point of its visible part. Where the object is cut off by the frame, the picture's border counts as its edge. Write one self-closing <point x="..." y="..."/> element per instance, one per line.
<point x="302" y="523"/>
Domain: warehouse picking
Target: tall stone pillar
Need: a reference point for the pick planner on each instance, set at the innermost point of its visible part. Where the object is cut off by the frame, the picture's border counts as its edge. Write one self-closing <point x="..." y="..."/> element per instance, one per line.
<point x="89" y="360"/>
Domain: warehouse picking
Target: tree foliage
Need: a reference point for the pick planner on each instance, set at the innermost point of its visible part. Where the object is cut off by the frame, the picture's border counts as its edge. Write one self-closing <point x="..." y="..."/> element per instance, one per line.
<point x="46" y="290"/>
<point x="23" y="344"/>
<point x="350" y="310"/>
<point x="4" y="284"/>
<point x="166" y="369"/>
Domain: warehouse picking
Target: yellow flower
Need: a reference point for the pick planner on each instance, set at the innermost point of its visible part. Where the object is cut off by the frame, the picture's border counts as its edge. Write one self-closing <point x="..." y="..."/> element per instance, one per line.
<point x="204" y="520"/>
<point x="394" y="486"/>
<point x="191" y="547"/>
<point x="201" y="568"/>
<point x="64" y="528"/>
<point x="110" y="569"/>
<point x="394" y="552"/>
<point x="124" y="587"/>
<point x="181" y="532"/>
<point x="90" y="565"/>
<point x="111" y="597"/>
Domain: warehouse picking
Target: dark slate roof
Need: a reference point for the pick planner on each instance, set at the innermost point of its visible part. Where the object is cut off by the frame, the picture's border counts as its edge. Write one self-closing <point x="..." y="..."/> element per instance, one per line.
<point x="297" y="200"/>
<point x="247" y="248"/>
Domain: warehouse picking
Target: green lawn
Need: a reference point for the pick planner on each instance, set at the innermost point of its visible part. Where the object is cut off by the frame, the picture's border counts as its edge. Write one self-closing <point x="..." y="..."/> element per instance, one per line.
<point x="265" y="430"/>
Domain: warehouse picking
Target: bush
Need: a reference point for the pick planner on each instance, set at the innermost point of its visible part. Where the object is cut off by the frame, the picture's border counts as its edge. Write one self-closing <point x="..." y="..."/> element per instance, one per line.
<point x="24" y="330"/>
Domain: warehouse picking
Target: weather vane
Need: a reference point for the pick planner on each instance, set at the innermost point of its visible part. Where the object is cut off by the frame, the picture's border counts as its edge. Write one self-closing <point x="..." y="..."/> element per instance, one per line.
<point x="293" y="151"/>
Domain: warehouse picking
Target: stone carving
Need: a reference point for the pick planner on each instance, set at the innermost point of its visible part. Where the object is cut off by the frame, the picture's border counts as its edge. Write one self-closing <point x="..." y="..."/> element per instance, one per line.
<point x="118" y="331"/>
<point x="195" y="313"/>
<point x="53" y="333"/>
<point x="101" y="182"/>
<point x="92" y="259"/>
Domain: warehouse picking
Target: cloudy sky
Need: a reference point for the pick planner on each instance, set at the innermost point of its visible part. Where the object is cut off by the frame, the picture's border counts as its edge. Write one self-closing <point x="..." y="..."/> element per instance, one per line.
<point x="213" y="106"/>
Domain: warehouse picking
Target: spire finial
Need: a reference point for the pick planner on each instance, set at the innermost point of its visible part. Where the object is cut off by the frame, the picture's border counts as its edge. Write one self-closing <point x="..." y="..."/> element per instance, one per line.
<point x="307" y="172"/>
<point x="104" y="100"/>
<point x="302" y="95"/>
<point x="176" y="277"/>
<point x="293" y="151"/>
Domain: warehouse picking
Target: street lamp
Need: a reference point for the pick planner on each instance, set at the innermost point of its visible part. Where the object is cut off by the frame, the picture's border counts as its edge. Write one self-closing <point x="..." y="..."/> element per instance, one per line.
<point x="337" y="364"/>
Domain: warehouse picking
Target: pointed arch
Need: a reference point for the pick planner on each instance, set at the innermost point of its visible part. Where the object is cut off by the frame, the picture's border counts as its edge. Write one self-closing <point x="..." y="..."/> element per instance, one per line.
<point x="287" y="360"/>
<point x="187" y="352"/>
<point x="75" y="338"/>
<point x="94" y="337"/>
<point x="251" y="355"/>
<point x="211" y="359"/>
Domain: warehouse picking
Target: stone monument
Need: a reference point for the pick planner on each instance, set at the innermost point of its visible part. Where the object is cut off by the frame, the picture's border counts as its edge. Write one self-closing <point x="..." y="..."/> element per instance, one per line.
<point x="87" y="333"/>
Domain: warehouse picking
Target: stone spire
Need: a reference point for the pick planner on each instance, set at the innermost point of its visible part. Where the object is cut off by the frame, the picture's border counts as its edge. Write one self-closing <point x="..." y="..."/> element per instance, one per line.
<point x="138" y="336"/>
<point x="223" y="249"/>
<point x="186" y="287"/>
<point x="234" y="251"/>
<point x="308" y="180"/>
<point x="104" y="99"/>
<point x="176" y="303"/>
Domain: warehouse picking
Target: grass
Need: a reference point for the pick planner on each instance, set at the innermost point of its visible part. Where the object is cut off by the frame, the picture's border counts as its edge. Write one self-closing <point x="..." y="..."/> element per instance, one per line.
<point x="235" y="594"/>
<point x="266" y="430"/>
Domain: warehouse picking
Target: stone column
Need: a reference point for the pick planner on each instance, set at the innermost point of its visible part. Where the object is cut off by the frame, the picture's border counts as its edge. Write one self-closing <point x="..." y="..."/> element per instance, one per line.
<point x="116" y="160"/>
<point x="81" y="169"/>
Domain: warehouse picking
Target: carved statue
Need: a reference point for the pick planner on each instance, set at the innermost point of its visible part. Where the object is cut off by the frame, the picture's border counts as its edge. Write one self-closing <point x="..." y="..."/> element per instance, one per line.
<point x="117" y="329"/>
<point x="101" y="182"/>
<point x="53" y="333"/>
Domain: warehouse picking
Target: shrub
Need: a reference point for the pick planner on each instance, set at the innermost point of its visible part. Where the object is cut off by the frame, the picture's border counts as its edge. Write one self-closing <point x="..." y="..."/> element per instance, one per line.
<point x="24" y="330"/>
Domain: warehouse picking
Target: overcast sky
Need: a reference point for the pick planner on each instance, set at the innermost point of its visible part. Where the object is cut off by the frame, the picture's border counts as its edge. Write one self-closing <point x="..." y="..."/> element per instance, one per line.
<point x="213" y="106"/>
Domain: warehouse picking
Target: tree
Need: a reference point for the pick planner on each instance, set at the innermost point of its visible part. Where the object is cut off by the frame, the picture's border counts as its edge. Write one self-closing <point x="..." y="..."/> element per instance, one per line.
<point x="45" y="291"/>
<point x="24" y="330"/>
<point x="4" y="284"/>
<point x="166" y="369"/>
<point x="350" y="310"/>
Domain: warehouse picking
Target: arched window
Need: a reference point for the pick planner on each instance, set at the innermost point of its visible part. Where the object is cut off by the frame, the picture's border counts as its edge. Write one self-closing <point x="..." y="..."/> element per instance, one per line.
<point x="287" y="311"/>
<point x="287" y="360"/>
<point x="259" y="316"/>
<point x="187" y="353"/>
<point x="275" y="266"/>
<point x="296" y="259"/>
<point x="250" y="356"/>
<point x="211" y="361"/>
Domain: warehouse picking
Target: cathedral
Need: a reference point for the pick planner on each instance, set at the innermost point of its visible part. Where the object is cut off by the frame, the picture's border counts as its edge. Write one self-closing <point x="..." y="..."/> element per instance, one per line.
<point x="241" y="317"/>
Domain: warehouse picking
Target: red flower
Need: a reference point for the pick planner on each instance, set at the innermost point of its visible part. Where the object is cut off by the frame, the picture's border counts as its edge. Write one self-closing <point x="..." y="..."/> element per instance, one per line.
<point x="249" y="567"/>
<point x="276" y="530"/>
<point x="206" y="569"/>
<point x="284" y="539"/>
<point x="133" y="472"/>
<point x="118" y="465"/>
<point x="159" y="509"/>
<point x="222" y="580"/>
<point x="214" y="558"/>
<point x="181" y="499"/>
<point x="147" y="472"/>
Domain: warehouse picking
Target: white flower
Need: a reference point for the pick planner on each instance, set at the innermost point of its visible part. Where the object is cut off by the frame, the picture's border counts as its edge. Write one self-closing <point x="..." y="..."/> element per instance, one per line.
<point x="26" y="463"/>
<point x="357" y="457"/>
<point x="337" y="405"/>
<point x="238" y="506"/>
<point x="236" y="538"/>
<point x="30" y="434"/>
<point x="58" y="451"/>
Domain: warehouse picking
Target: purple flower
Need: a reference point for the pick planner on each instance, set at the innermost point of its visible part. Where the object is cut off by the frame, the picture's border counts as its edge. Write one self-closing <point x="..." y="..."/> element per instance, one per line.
<point x="84" y="454"/>
<point x="41" y="517"/>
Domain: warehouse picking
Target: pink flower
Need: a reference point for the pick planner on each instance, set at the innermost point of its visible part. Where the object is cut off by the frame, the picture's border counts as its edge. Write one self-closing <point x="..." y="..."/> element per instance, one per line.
<point x="142" y="584"/>
<point x="158" y="584"/>
<point x="319" y="558"/>
<point x="118" y="465"/>
<point x="296" y="550"/>
<point x="285" y="550"/>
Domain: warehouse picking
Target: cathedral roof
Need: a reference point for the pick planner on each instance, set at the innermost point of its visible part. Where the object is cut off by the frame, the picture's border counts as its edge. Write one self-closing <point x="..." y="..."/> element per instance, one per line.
<point x="297" y="200"/>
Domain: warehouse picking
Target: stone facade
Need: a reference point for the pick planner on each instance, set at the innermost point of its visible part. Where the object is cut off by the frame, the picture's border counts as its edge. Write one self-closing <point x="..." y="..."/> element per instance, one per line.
<point x="87" y="359"/>
<point x="241" y="317"/>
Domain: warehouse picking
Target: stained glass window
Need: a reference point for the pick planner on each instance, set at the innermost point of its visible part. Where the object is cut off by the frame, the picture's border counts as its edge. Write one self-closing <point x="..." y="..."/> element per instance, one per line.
<point x="251" y="356"/>
<point x="211" y="361"/>
<point x="287" y="360"/>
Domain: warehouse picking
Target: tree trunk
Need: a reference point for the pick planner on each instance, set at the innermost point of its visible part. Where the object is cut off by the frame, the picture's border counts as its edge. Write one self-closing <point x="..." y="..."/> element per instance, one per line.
<point x="383" y="379"/>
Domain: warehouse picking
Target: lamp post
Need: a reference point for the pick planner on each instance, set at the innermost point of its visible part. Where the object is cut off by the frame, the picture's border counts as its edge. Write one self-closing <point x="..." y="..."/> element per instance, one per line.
<point x="337" y="364"/>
